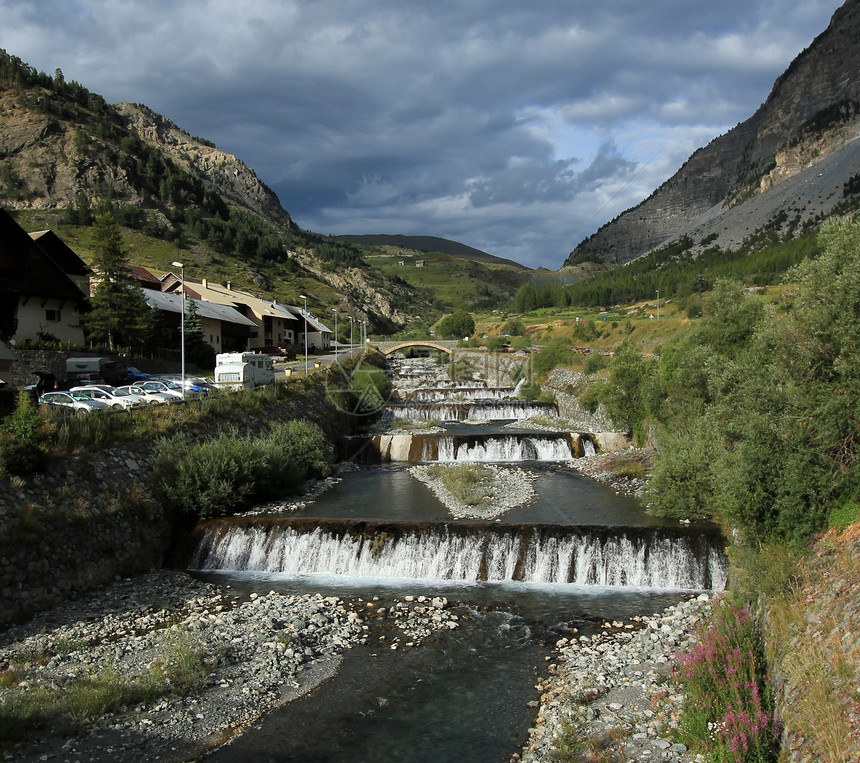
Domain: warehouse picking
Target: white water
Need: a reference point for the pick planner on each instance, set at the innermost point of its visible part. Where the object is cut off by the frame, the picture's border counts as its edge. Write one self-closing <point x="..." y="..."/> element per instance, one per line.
<point x="502" y="448"/>
<point x="661" y="563"/>
<point x="588" y="448"/>
<point x="465" y="411"/>
<point x="451" y="395"/>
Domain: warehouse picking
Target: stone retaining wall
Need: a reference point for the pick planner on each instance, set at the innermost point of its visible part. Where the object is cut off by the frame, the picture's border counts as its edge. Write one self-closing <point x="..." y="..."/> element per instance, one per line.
<point x="92" y="517"/>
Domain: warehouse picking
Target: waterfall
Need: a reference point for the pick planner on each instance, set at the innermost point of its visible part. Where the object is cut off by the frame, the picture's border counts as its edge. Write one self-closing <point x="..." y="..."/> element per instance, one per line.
<point x="651" y="558"/>
<point x="464" y="393"/>
<point x="480" y="410"/>
<point x="504" y="448"/>
<point x="588" y="448"/>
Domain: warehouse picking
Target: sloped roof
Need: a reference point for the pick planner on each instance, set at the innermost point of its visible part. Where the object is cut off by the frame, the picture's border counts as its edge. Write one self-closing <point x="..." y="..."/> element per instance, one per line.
<point x="26" y="269"/>
<point x="315" y="322"/>
<point x="61" y="253"/>
<point x="172" y="303"/>
<point x="144" y="277"/>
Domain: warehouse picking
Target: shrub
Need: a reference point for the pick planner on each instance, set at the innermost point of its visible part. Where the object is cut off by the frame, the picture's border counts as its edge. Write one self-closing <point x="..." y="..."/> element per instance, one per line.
<point x="24" y="422"/>
<point x="231" y="472"/>
<point x="21" y="457"/>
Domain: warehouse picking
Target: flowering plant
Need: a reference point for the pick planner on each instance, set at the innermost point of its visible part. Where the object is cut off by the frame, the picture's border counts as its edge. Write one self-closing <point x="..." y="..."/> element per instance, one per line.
<point x="729" y="707"/>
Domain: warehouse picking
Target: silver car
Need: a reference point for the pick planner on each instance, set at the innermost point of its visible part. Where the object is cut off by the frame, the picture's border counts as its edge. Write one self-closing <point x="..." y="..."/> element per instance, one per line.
<point x="73" y="401"/>
<point x="115" y="399"/>
<point x="147" y="396"/>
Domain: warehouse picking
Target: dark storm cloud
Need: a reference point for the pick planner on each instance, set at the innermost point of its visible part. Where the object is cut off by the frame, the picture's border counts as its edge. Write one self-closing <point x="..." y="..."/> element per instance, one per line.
<point x="514" y="127"/>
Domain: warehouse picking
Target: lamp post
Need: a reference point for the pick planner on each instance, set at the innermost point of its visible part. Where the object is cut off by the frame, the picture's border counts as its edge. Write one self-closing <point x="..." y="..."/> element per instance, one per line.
<point x="351" y="324"/>
<point x="334" y="310"/>
<point x="658" y="304"/>
<point x="182" y="330"/>
<point x="305" y="317"/>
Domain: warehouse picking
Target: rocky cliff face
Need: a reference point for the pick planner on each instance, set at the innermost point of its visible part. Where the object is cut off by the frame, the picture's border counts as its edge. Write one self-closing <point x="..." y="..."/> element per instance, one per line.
<point x="812" y="111"/>
<point x="234" y="179"/>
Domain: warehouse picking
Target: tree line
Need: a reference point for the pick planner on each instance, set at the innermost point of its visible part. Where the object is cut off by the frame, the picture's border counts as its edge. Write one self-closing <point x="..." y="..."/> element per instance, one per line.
<point x="756" y="409"/>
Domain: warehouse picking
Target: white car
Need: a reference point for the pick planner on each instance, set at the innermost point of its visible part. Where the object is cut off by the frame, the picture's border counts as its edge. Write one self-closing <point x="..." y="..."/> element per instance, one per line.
<point x="74" y="401"/>
<point x="147" y="396"/>
<point x="165" y="388"/>
<point x="117" y="400"/>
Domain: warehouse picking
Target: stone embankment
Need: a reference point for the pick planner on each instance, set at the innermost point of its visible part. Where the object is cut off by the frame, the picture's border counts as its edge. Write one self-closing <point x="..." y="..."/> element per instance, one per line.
<point x="219" y="661"/>
<point x="612" y="693"/>
<point x="92" y="516"/>
<point x="562" y="384"/>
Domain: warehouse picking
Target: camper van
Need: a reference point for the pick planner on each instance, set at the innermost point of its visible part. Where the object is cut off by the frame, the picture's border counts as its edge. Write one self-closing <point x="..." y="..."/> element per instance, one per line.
<point x="112" y="370"/>
<point x="237" y="370"/>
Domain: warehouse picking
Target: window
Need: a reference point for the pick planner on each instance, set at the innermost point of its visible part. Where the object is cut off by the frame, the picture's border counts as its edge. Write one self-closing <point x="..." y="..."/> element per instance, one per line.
<point x="52" y="316"/>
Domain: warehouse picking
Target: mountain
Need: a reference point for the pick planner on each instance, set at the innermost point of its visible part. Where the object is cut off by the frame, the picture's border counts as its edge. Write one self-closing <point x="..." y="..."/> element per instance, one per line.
<point x="431" y="244"/>
<point x="796" y="160"/>
<point x="66" y="154"/>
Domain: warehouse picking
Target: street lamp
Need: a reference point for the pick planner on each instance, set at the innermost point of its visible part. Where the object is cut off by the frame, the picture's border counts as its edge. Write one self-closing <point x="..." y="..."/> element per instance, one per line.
<point x="182" y="271"/>
<point x="334" y="310"/>
<point x="351" y="323"/>
<point x="658" y="304"/>
<point x="305" y="317"/>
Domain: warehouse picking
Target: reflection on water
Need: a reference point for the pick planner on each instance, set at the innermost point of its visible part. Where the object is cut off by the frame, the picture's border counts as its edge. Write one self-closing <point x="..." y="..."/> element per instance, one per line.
<point x="563" y="497"/>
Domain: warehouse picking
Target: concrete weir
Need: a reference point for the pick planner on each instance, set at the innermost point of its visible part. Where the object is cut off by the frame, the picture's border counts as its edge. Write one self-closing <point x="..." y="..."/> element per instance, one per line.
<point x="418" y="448"/>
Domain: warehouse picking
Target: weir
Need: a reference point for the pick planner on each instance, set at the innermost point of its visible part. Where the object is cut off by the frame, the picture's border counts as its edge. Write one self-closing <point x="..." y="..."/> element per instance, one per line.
<point x="471" y="448"/>
<point x="478" y="410"/>
<point x="433" y="394"/>
<point x="618" y="557"/>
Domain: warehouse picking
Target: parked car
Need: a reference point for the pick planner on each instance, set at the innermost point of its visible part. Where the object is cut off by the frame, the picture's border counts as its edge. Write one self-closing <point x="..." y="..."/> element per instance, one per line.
<point x="73" y="401"/>
<point x="193" y="384"/>
<point x="150" y="397"/>
<point x="116" y="400"/>
<point x="136" y="375"/>
<point x="166" y="388"/>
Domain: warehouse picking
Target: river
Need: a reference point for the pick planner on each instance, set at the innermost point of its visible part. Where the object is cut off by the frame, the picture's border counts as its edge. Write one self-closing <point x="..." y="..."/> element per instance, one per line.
<point x="573" y="557"/>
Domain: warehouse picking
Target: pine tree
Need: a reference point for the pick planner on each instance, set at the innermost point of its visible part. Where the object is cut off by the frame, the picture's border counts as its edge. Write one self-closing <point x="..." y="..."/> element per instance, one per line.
<point x="119" y="314"/>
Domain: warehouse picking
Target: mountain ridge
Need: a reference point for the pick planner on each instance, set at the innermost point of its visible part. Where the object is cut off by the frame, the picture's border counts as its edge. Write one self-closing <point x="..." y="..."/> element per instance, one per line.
<point x="430" y="244"/>
<point x="812" y="109"/>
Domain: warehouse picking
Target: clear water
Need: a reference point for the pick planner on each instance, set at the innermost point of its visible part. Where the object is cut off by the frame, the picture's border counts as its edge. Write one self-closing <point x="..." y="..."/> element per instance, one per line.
<point x="462" y="696"/>
<point x="563" y="497"/>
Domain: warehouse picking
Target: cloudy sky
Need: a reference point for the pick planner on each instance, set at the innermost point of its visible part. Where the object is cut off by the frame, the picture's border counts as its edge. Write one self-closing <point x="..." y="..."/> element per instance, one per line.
<point x="515" y="126"/>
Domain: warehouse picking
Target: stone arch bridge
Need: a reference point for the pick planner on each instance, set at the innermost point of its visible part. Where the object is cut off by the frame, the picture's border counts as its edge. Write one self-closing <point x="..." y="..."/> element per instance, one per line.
<point x="446" y="346"/>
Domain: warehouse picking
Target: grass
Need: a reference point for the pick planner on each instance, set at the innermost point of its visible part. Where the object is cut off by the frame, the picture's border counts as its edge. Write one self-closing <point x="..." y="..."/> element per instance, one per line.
<point x="470" y="484"/>
<point x="805" y="638"/>
<point x="181" y="667"/>
<point x="574" y="745"/>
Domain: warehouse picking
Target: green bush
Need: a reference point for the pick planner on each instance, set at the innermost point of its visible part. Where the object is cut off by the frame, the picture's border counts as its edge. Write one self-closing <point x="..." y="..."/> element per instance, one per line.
<point x="231" y="472"/>
<point x="23" y="423"/>
<point x="21" y="457"/>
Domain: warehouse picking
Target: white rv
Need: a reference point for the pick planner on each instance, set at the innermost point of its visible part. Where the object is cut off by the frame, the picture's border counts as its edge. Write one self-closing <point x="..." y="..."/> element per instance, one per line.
<point x="237" y="370"/>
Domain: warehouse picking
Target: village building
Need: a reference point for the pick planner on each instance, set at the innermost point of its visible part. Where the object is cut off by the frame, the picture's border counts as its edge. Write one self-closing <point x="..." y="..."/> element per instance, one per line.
<point x="38" y="298"/>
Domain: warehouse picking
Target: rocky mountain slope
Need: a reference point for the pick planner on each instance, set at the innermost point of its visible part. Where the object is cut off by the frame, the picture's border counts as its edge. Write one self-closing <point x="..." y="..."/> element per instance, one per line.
<point x="430" y="244"/>
<point x="66" y="154"/>
<point x="811" y="115"/>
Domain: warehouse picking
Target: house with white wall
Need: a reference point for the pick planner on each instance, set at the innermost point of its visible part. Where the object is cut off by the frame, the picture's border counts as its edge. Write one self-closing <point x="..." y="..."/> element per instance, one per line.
<point x="37" y="298"/>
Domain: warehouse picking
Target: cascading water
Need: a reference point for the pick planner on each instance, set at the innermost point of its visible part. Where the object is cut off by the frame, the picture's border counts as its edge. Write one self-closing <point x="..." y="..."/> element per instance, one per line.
<point x="651" y="558"/>
<point x="481" y="410"/>
<point x="504" y="448"/>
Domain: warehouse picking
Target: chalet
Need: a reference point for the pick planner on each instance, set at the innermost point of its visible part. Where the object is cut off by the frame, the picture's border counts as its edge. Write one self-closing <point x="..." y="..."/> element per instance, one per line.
<point x="319" y="335"/>
<point x="224" y="328"/>
<point x="275" y="325"/>
<point x="37" y="297"/>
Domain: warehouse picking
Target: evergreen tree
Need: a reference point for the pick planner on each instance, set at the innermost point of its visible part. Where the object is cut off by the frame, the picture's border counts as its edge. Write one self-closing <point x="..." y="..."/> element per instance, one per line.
<point x="119" y="314"/>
